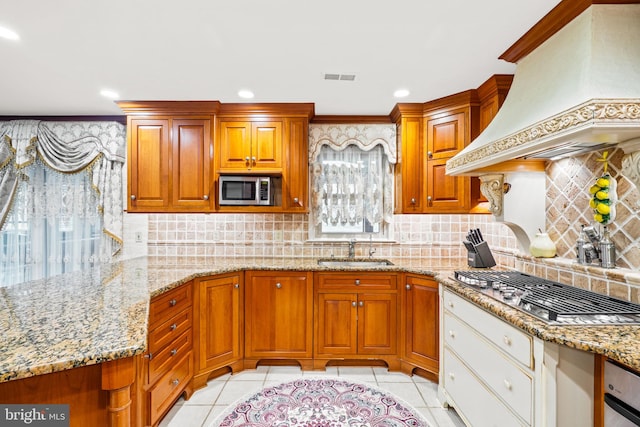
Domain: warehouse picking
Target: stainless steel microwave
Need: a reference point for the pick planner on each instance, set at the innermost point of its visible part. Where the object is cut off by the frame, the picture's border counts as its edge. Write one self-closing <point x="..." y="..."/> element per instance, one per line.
<point x="244" y="190"/>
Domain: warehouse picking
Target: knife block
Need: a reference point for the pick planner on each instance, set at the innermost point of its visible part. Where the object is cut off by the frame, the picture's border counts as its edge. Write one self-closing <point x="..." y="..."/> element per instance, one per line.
<point x="480" y="256"/>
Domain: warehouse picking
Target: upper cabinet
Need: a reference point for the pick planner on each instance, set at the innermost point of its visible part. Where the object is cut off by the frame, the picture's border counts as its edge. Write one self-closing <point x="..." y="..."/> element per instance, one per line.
<point x="177" y="151"/>
<point x="250" y="146"/>
<point x="170" y="148"/>
<point x="429" y="134"/>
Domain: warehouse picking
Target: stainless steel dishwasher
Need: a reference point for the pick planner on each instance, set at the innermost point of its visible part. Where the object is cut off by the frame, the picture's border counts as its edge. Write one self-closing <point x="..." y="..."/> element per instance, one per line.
<point x="621" y="396"/>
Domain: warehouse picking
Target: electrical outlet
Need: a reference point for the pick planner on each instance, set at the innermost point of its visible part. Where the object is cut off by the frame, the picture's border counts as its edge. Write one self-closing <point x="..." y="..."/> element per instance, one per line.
<point x="138" y="236"/>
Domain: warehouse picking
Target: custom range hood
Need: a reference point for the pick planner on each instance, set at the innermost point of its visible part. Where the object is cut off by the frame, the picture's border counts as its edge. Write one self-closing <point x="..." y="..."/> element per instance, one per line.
<point x="577" y="91"/>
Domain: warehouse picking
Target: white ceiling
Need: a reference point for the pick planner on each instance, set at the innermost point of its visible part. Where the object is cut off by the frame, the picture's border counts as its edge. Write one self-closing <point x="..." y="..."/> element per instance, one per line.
<point x="69" y="50"/>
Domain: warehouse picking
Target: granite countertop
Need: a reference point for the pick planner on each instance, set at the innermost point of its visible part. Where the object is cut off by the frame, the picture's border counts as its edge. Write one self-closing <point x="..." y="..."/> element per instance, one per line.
<point x="101" y="314"/>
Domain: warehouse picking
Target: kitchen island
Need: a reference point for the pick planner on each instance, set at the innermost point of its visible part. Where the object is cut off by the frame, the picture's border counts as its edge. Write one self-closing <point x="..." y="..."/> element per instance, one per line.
<point x="101" y="315"/>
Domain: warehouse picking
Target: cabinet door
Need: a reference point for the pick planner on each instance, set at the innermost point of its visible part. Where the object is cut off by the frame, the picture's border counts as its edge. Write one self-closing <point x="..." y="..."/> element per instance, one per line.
<point x="278" y="314"/>
<point x="235" y="145"/>
<point x="445" y="193"/>
<point x="296" y="176"/>
<point x="220" y="321"/>
<point x="266" y="146"/>
<point x="148" y="165"/>
<point x="191" y="176"/>
<point x="377" y="323"/>
<point x="411" y="177"/>
<point x="422" y="322"/>
<point x="337" y="330"/>
<point x="446" y="135"/>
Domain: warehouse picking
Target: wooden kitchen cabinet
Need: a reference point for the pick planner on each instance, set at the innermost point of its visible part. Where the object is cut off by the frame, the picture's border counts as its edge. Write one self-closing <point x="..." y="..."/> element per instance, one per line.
<point x="170" y="148"/>
<point x="250" y="146"/>
<point x="219" y="313"/>
<point x="450" y="124"/>
<point x="166" y="370"/>
<point x="420" y="325"/>
<point x="278" y="316"/>
<point x="409" y="171"/>
<point x="356" y="317"/>
<point x="295" y="185"/>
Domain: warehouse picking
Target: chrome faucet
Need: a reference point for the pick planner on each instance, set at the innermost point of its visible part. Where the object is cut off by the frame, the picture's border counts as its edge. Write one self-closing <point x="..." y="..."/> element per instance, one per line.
<point x="352" y="248"/>
<point x="371" y="248"/>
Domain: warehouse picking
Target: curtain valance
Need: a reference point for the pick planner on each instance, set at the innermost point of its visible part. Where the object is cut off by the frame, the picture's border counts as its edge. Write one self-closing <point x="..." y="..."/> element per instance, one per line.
<point x="97" y="148"/>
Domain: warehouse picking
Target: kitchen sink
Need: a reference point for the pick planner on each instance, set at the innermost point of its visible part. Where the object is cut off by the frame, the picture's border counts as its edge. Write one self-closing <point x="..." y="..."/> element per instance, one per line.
<point x="354" y="262"/>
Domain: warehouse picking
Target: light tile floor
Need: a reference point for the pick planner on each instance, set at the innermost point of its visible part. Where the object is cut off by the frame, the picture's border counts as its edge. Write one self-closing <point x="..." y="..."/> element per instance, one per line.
<point x="206" y="404"/>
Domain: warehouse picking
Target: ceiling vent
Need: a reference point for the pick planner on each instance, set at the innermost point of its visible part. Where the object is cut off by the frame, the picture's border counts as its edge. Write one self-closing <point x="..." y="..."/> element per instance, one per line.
<point x="345" y="77"/>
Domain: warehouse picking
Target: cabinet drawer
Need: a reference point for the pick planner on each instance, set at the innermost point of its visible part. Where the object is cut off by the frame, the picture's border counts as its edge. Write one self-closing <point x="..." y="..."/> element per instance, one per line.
<point x="169" y="330"/>
<point x="169" y="304"/>
<point x="169" y="387"/>
<point x="502" y="375"/>
<point x="357" y="281"/>
<point x="509" y="339"/>
<point x="163" y="361"/>
<point x="471" y="399"/>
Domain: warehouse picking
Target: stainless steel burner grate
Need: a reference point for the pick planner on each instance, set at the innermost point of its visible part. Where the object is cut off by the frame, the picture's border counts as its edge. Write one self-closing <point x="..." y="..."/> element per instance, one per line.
<point x="551" y="300"/>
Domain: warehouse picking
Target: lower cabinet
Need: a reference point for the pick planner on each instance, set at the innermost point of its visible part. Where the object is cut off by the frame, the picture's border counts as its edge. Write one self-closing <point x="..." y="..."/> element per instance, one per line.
<point x="166" y="370"/>
<point x="420" y="317"/>
<point x="356" y="317"/>
<point x="495" y="374"/>
<point x="278" y="316"/>
<point x="219" y="310"/>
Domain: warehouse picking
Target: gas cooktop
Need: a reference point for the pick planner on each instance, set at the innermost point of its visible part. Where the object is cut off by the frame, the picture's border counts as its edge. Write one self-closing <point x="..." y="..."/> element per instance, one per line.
<point x="552" y="302"/>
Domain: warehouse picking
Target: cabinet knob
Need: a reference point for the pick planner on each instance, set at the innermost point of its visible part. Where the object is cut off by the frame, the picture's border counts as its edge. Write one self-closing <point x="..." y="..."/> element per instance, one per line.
<point x="361" y="303"/>
<point x="507" y="384"/>
<point x="413" y="201"/>
<point x="237" y="286"/>
<point x="175" y="382"/>
<point x="246" y="159"/>
<point x="452" y="334"/>
<point x="429" y="199"/>
<point x="278" y="285"/>
<point x="173" y="327"/>
<point x="353" y="304"/>
<point x="133" y="197"/>
<point x="148" y="356"/>
<point x="297" y="201"/>
<point x="506" y="340"/>
<point x="407" y="287"/>
<point x="452" y="375"/>
<point x="450" y="304"/>
<point x="173" y="302"/>
<point x="430" y="154"/>
<point x="206" y="197"/>
<point x="174" y="351"/>
<point x="253" y="159"/>
<point x="357" y="282"/>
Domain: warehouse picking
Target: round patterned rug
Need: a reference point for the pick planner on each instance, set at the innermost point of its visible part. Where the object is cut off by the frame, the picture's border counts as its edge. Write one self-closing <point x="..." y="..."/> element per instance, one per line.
<point x="320" y="402"/>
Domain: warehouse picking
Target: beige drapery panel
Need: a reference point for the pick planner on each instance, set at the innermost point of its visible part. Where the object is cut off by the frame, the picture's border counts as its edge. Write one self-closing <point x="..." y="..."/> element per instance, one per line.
<point x="97" y="148"/>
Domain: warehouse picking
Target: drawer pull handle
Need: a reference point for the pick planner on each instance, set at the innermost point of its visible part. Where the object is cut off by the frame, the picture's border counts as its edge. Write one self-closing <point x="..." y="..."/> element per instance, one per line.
<point x="173" y="302"/>
<point x="452" y="334"/>
<point x="174" y="327"/>
<point x="174" y="351"/>
<point x="507" y="384"/>
<point x="278" y="285"/>
<point x="506" y="340"/>
<point x="357" y="282"/>
<point x="175" y="382"/>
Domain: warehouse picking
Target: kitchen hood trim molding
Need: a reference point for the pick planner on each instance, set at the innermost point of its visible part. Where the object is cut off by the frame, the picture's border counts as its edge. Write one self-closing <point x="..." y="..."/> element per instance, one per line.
<point x="631" y="161"/>
<point x="597" y="113"/>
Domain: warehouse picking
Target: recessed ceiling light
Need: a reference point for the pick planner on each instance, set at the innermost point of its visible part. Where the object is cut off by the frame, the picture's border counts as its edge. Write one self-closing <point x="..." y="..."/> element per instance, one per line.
<point x="8" y="34"/>
<point x="401" y="93"/>
<point x="107" y="93"/>
<point x="244" y="93"/>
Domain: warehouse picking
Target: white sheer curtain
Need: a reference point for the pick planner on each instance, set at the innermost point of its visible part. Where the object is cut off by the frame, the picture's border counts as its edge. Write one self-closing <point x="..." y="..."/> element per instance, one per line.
<point x="61" y="199"/>
<point x="351" y="190"/>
